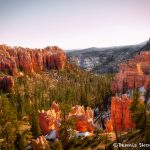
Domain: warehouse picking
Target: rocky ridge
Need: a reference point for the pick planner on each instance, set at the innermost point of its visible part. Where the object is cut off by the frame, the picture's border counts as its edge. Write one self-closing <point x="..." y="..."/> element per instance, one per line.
<point x="105" y="60"/>
<point x="17" y="60"/>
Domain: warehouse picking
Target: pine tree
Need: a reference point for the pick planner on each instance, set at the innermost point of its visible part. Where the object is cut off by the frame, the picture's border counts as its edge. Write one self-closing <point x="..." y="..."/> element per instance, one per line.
<point x="8" y="123"/>
<point x="66" y="127"/>
<point x="23" y="137"/>
<point x="35" y="127"/>
<point x="147" y="116"/>
<point x="138" y="110"/>
<point x="58" y="145"/>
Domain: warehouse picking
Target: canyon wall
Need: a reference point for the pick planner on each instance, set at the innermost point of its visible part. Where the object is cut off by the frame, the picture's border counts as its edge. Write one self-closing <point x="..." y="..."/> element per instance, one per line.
<point x="17" y="60"/>
<point x="133" y="74"/>
<point x="28" y="60"/>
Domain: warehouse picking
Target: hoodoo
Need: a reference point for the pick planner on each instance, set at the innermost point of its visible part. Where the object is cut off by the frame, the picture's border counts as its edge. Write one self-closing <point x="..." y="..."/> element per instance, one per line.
<point x="133" y="74"/>
<point x="120" y="119"/>
<point x="14" y="61"/>
<point x="50" y="120"/>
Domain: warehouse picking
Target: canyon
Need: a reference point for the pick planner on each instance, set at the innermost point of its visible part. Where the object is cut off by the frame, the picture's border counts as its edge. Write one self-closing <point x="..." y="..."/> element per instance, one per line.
<point x="17" y="62"/>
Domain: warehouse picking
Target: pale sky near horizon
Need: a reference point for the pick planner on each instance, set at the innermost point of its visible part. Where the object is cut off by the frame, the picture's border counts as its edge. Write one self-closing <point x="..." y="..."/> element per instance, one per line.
<point x="74" y="24"/>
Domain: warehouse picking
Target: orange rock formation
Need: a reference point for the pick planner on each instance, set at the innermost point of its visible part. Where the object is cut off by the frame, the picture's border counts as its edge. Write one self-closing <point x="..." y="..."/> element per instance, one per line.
<point x="120" y="114"/>
<point x="40" y="143"/>
<point x="30" y="60"/>
<point x="83" y="118"/>
<point x="50" y="120"/>
<point x="133" y="74"/>
<point x="14" y="61"/>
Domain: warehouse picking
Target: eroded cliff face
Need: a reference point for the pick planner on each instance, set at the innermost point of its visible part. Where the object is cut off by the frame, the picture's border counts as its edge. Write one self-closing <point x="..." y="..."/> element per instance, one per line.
<point x="120" y="119"/>
<point x="17" y="60"/>
<point x="28" y="60"/>
<point x="133" y="74"/>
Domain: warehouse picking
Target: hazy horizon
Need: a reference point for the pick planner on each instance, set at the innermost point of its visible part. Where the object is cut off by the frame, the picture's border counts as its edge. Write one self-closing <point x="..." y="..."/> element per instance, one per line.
<point x="74" y="24"/>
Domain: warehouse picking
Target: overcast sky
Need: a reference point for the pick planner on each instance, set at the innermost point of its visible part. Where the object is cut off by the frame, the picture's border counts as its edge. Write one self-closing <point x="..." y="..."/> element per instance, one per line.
<point x="73" y="24"/>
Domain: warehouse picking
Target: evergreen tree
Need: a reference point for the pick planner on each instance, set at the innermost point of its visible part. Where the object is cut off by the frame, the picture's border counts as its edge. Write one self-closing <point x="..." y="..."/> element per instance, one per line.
<point x="67" y="126"/>
<point x="147" y="115"/>
<point x="35" y="127"/>
<point x="23" y="137"/>
<point x="138" y="110"/>
<point x="19" y="143"/>
<point x="57" y="145"/>
<point x="8" y="124"/>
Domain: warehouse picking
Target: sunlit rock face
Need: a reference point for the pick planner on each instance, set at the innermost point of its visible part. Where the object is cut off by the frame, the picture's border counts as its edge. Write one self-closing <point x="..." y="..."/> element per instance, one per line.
<point x="40" y="143"/>
<point x="109" y="126"/>
<point x="120" y="114"/>
<point x="133" y="74"/>
<point x="17" y="60"/>
<point x="83" y="118"/>
<point x="6" y="83"/>
<point x="28" y="60"/>
<point x="50" y="120"/>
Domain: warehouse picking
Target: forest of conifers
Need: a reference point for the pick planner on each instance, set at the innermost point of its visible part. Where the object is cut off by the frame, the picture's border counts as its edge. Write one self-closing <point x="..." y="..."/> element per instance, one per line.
<point x="71" y="86"/>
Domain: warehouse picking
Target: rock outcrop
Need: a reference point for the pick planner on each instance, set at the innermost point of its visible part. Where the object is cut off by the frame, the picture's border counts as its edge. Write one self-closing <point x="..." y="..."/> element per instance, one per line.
<point x="133" y="74"/>
<point x="83" y="118"/>
<point x="17" y="60"/>
<point x="120" y="119"/>
<point x="14" y="60"/>
<point x="40" y="143"/>
<point x="50" y="120"/>
<point x="6" y="83"/>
